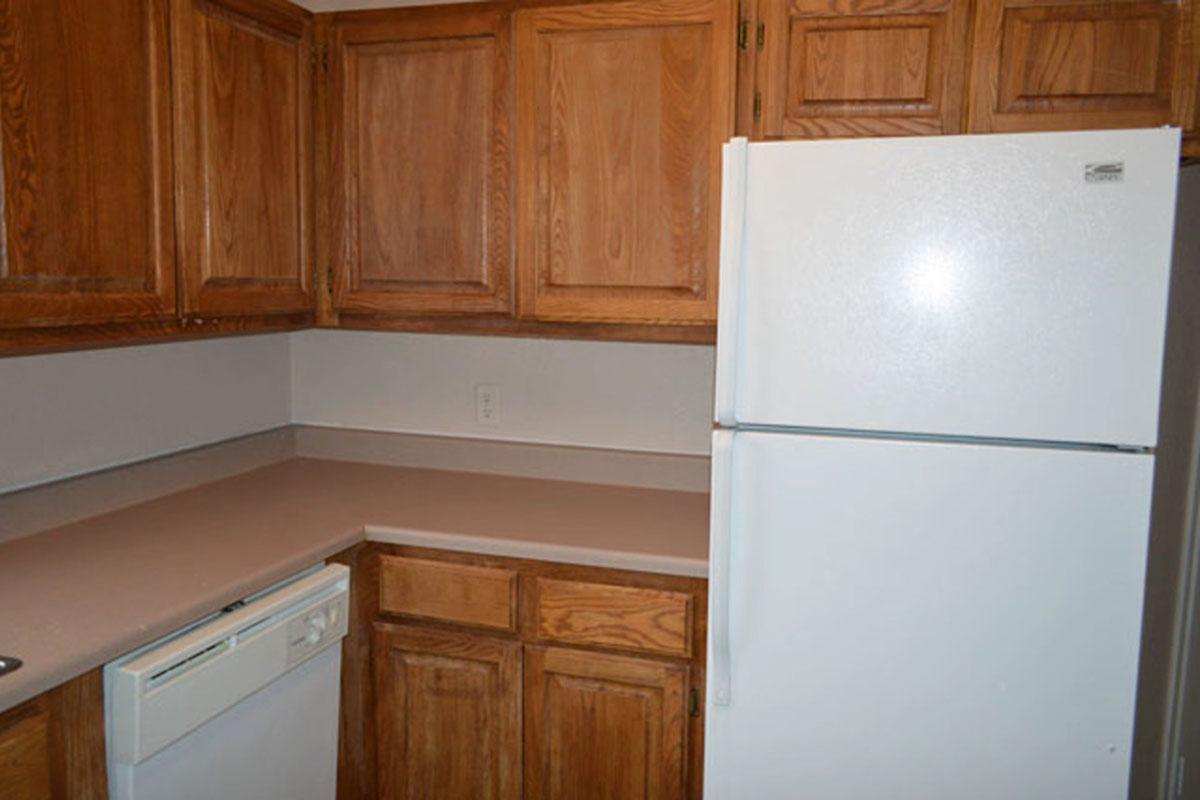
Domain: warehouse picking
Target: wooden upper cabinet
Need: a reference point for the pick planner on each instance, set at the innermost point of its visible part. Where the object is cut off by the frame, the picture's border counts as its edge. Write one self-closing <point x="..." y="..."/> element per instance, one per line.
<point x="243" y="100"/>
<point x="1041" y="65"/>
<point x="599" y="727"/>
<point x="419" y="117"/>
<point x="837" y="68"/>
<point x="448" y="714"/>
<point x="85" y="133"/>
<point x="622" y="109"/>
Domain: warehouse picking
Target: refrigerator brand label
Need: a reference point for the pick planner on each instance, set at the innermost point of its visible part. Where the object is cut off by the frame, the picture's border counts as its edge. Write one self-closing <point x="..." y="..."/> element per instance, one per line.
<point x="1110" y="172"/>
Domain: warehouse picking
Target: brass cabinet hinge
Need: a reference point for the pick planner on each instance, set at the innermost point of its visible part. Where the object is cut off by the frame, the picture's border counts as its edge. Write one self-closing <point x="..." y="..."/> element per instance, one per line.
<point x="320" y="57"/>
<point x="757" y="104"/>
<point x="329" y="281"/>
<point x="760" y="35"/>
<point x="694" y="702"/>
<point x="743" y="34"/>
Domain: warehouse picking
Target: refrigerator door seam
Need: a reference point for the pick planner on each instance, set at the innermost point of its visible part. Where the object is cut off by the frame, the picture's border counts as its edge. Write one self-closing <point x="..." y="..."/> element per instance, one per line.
<point x="938" y="438"/>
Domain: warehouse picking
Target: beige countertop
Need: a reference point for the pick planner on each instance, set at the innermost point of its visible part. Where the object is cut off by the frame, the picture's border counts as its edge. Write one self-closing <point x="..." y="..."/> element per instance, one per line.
<point x="77" y="596"/>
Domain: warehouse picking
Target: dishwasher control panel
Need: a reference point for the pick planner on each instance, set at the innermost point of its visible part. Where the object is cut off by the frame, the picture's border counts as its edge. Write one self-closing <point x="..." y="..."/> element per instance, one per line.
<point x="316" y="628"/>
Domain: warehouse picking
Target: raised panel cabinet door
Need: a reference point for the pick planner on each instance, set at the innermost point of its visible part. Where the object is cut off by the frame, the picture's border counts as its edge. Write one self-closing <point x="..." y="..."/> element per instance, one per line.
<point x="838" y="68"/>
<point x="622" y="109"/>
<point x="243" y="114"/>
<point x="419" y="117"/>
<point x="1046" y="65"/>
<point x="25" y="768"/>
<point x="87" y="230"/>
<point x="52" y="747"/>
<point x="448" y="714"/>
<point x="600" y="726"/>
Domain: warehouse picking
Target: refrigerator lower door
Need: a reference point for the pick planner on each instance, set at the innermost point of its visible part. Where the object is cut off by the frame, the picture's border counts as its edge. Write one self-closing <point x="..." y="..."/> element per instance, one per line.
<point x="923" y="621"/>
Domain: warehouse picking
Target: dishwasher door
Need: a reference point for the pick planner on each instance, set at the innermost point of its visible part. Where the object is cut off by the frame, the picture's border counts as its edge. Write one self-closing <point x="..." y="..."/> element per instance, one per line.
<point x="242" y="705"/>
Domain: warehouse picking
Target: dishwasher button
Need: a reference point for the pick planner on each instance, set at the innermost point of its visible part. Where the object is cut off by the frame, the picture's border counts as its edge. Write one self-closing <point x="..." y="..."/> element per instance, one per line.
<point x="316" y="628"/>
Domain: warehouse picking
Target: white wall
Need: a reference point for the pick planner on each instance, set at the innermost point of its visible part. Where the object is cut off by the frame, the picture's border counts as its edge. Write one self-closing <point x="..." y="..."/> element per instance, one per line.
<point x="593" y="394"/>
<point x="68" y="413"/>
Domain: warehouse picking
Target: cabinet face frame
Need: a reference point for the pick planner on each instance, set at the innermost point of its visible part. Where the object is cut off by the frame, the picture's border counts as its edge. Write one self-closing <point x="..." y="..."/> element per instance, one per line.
<point x="996" y="102"/>
<point x="787" y="58"/>
<point x="196" y="122"/>
<point x="416" y="32"/>
<point x="539" y="297"/>
<point x="36" y="302"/>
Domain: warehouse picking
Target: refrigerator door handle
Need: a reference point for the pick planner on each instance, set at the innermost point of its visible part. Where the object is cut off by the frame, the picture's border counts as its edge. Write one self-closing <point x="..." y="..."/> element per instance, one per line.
<point x="720" y="524"/>
<point x="733" y="225"/>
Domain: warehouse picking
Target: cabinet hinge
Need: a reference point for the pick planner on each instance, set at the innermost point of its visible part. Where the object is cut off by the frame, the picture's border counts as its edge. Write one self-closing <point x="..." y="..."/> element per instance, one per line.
<point x="743" y="34"/>
<point x="760" y="36"/>
<point x="329" y="281"/>
<point x="757" y="104"/>
<point x="320" y="57"/>
<point x="694" y="702"/>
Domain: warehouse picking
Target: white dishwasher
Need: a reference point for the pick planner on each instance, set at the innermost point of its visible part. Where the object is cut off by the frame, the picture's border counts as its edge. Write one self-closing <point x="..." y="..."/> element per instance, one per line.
<point x="242" y="704"/>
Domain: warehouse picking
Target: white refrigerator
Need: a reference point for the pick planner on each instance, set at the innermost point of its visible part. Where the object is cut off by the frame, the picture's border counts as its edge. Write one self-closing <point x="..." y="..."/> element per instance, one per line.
<point x="938" y="371"/>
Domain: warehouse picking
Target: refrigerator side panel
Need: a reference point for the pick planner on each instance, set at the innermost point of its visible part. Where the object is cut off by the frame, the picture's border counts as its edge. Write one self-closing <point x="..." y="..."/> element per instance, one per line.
<point x="1010" y="286"/>
<point x="733" y="221"/>
<point x="929" y="621"/>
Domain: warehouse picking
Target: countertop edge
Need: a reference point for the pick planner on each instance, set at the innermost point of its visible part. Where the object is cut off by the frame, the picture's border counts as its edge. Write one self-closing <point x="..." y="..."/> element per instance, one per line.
<point x="540" y="551"/>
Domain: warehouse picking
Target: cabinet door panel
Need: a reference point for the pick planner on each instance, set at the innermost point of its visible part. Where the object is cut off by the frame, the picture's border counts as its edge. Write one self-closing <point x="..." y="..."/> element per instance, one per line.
<point x="243" y="83"/>
<point x="601" y="726"/>
<point x="420" y="124"/>
<point x="838" y="68"/>
<point x="622" y="108"/>
<point x="84" y="110"/>
<point x="25" y="754"/>
<point x="1064" y="65"/>
<point x="448" y="714"/>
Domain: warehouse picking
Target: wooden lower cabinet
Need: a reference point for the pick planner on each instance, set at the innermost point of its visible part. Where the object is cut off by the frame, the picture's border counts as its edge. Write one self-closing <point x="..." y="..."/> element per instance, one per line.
<point x="601" y="726"/>
<point x="448" y="715"/>
<point x="596" y="692"/>
<point x="52" y="747"/>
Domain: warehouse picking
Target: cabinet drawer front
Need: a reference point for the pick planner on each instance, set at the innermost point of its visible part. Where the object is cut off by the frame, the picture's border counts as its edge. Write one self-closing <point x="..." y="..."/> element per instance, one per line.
<point x="480" y="596"/>
<point x="650" y="620"/>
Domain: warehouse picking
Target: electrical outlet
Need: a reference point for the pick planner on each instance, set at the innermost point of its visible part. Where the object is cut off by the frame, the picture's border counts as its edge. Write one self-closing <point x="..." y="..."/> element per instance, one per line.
<point x="487" y="404"/>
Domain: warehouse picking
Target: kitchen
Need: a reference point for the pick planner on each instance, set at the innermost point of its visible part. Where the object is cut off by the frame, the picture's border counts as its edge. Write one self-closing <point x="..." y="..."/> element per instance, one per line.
<point x="371" y="289"/>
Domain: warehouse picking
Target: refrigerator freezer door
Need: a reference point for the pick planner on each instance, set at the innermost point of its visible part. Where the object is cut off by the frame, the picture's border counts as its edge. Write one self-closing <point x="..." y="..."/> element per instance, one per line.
<point x="1009" y="286"/>
<point x="928" y="621"/>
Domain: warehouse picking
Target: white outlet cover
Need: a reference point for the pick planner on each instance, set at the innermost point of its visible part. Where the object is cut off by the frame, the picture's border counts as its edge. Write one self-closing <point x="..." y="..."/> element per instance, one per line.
<point x="487" y="404"/>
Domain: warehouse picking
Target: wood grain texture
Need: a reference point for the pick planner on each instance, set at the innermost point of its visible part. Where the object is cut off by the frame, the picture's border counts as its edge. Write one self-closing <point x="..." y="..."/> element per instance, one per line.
<point x="419" y="109"/>
<point x="85" y="125"/>
<point x="501" y="326"/>
<point x="243" y="118"/>
<point x="356" y="770"/>
<point x="448" y="711"/>
<point x="622" y="108"/>
<point x="25" y="762"/>
<point x="25" y="341"/>
<point x="1046" y="66"/>
<point x="52" y="747"/>
<point x="601" y="726"/>
<point x="483" y="597"/>
<point x="622" y="617"/>
<point x="838" y="68"/>
<point x="1187" y="84"/>
<point x="531" y="572"/>
<point x="746" y="78"/>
